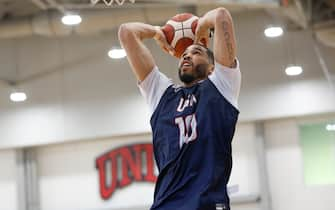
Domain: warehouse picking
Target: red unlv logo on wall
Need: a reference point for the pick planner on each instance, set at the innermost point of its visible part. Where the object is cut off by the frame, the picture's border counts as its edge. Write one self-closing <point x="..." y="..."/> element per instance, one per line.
<point x="120" y="167"/>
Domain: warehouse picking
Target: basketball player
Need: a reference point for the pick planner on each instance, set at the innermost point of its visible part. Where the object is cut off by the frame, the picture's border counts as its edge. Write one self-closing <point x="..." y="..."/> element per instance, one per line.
<point x="192" y="125"/>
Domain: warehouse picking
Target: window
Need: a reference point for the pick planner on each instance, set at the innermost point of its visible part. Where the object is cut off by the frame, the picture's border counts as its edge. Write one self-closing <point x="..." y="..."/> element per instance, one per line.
<point x="318" y="149"/>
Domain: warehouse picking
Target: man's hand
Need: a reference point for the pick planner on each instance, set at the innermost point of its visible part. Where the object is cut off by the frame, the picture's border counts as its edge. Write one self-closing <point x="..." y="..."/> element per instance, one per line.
<point x="202" y="32"/>
<point x="162" y="42"/>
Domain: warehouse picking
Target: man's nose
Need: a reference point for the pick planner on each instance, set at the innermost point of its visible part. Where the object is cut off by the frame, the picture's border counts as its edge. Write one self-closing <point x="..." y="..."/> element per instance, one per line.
<point x="187" y="56"/>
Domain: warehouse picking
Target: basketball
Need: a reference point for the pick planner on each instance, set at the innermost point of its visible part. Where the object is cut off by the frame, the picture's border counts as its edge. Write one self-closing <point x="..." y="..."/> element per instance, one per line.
<point x="180" y="31"/>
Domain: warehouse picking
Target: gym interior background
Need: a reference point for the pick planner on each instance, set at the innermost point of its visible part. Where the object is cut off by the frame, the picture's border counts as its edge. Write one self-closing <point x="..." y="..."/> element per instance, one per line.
<point x="83" y="113"/>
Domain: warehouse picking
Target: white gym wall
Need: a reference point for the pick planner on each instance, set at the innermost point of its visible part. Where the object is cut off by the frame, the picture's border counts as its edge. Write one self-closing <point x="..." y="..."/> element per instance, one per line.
<point x="285" y="166"/>
<point x="8" y="182"/>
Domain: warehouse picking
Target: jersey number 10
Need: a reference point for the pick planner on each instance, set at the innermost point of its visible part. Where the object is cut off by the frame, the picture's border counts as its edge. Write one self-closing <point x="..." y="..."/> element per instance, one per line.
<point x="187" y="128"/>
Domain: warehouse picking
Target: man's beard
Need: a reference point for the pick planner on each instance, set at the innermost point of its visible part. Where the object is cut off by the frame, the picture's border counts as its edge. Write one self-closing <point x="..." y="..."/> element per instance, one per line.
<point x="199" y="73"/>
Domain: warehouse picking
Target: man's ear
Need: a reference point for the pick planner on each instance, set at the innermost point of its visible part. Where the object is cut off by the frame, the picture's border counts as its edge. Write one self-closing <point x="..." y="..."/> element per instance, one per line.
<point x="211" y="69"/>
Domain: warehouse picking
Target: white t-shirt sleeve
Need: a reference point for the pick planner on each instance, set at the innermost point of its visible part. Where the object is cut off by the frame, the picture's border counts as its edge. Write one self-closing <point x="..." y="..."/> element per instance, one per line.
<point x="227" y="81"/>
<point x="153" y="87"/>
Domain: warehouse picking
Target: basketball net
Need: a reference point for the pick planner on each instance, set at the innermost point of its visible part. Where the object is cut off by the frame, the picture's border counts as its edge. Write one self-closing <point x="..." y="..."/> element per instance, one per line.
<point x="110" y="2"/>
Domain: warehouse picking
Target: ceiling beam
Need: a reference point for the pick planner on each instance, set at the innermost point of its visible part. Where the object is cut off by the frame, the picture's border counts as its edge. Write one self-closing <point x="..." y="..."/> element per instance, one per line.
<point x="56" y="5"/>
<point x="40" y="4"/>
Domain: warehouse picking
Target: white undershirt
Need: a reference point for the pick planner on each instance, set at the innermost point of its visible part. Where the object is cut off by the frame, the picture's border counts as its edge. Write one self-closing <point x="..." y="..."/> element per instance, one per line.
<point x="226" y="80"/>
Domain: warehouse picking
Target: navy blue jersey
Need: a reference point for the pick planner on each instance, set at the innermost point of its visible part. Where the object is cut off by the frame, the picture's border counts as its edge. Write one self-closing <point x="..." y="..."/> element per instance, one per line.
<point x="192" y="132"/>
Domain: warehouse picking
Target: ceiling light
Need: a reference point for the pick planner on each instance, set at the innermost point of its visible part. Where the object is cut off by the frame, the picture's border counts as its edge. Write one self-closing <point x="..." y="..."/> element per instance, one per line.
<point x="117" y="53"/>
<point x="273" y="32"/>
<point x="330" y="127"/>
<point x="293" y="70"/>
<point x="71" y="19"/>
<point x="18" y="96"/>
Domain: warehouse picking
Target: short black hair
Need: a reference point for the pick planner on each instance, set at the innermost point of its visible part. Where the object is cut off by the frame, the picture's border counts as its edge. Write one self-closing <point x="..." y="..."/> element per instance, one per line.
<point x="210" y="55"/>
<point x="209" y="52"/>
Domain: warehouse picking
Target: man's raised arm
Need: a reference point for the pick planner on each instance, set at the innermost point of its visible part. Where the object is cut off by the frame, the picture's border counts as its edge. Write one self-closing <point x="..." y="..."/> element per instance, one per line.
<point x="224" y="36"/>
<point x="131" y="36"/>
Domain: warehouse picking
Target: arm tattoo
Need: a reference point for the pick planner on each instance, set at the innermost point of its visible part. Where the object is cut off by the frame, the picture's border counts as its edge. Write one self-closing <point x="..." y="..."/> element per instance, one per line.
<point x="227" y="38"/>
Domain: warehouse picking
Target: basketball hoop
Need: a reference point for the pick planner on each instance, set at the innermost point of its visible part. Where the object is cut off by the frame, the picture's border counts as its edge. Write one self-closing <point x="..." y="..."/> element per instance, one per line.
<point x="110" y="2"/>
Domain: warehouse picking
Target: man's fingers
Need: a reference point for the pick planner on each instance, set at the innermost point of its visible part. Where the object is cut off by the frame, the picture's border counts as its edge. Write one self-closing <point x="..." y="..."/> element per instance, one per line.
<point x="201" y="35"/>
<point x="202" y="41"/>
<point x="196" y="38"/>
<point x="168" y="47"/>
<point x="205" y="41"/>
<point x="161" y="40"/>
<point x="165" y="49"/>
<point x="199" y="38"/>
